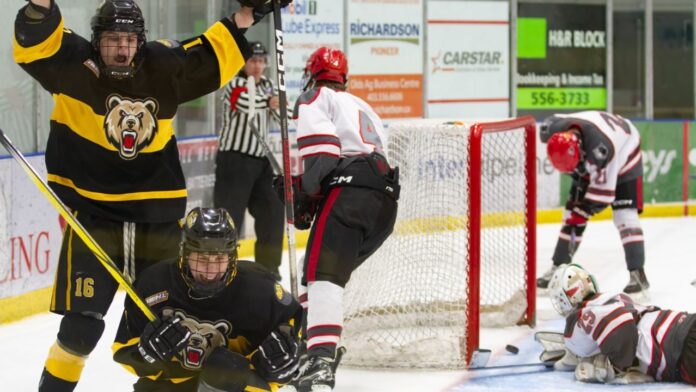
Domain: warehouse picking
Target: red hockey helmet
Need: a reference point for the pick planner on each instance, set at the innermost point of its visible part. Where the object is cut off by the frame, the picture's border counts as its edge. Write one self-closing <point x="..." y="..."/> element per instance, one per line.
<point x="328" y="64"/>
<point x="563" y="149"/>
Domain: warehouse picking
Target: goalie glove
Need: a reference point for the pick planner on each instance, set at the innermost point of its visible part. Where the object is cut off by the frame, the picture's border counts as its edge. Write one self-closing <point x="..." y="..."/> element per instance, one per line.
<point x="555" y="352"/>
<point x="595" y="369"/>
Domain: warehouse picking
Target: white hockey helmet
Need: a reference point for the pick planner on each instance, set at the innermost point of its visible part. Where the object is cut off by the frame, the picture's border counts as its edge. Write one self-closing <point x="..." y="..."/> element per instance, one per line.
<point x="569" y="286"/>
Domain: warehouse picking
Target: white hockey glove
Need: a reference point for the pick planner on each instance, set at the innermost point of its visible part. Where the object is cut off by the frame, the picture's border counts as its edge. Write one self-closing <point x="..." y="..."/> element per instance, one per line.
<point x="556" y="352"/>
<point x="596" y="369"/>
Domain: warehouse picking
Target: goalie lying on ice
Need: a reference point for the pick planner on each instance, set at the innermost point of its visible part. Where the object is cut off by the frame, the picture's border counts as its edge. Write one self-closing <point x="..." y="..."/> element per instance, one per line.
<point x="611" y="339"/>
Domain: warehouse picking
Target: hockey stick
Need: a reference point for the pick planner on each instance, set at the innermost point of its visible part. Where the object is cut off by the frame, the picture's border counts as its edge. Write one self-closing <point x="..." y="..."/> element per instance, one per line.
<point x="103" y="258"/>
<point x="553" y="357"/>
<point x="251" y="87"/>
<point x="514" y="365"/>
<point x="572" y="244"/>
<point x="287" y="172"/>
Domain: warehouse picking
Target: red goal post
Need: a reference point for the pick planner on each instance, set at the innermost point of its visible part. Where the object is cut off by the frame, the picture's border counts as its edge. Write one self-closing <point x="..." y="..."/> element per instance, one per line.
<point x="478" y="132"/>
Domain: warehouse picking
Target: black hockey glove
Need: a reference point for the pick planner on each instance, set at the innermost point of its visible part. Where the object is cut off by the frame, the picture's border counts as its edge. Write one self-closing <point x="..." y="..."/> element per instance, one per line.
<point x="162" y="339"/>
<point x="278" y="356"/>
<point x="304" y="206"/>
<point x="262" y="7"/>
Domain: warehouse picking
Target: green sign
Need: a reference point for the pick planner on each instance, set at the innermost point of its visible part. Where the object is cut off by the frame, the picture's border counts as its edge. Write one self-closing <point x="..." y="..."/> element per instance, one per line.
<point x="531" y="38"/>
<point x="561" y="58"/>
<point x="561" y="98"/>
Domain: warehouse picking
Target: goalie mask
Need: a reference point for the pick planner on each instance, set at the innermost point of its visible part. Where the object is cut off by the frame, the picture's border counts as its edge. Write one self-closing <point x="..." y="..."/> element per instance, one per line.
<point x="569" y="286"/>
<point x="208" y="253"/>
<point x="563" y="149"/>
<point x="325" y="64"/>
<point x="118" y="36"/>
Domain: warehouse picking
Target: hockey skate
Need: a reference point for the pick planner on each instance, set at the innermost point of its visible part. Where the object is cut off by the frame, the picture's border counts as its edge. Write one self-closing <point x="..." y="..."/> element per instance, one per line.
<point x="637" y="282"/>
<point x="318" y="374"/>
<point x="543" y="281"/>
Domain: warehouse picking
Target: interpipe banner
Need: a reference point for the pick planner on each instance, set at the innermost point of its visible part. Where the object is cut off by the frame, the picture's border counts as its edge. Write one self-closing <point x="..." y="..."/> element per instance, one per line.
<point x="386" y="55"/>
<point x="468" y="59"/>
<point x="30" y="231"/>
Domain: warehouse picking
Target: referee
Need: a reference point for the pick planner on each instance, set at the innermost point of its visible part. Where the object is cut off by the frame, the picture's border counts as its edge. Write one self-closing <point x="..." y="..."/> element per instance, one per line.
<point x="243" y="175"/>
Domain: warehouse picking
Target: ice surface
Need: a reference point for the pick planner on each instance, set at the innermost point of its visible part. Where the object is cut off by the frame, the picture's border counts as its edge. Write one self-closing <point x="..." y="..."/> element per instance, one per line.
<point x="670" y="267"/>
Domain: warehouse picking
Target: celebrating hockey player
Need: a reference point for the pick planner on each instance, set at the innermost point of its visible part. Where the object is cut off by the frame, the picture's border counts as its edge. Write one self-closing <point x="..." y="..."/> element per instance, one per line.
<point x="601" y="151"/>
<point x="611" y="339"/>
<point x="349" y="184"/>
<point x="217" y="317"/>
<point x="111" y="155"/>
<point x="240" y="151"/>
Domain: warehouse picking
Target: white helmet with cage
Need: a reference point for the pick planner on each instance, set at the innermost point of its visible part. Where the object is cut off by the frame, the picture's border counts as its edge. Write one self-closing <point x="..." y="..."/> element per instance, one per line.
<point x="569" y="286"/>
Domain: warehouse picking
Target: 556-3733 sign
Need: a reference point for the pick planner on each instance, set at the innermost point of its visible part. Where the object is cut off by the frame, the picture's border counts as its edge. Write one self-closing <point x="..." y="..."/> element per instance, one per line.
<point x="561" y="98"/>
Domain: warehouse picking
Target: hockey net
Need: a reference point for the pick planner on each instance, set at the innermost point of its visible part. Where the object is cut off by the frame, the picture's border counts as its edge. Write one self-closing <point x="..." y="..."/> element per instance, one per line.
<point x="462" y="254"/>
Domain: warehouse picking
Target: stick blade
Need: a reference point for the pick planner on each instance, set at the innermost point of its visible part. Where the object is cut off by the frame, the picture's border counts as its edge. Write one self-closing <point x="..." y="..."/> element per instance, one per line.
<point x="479" y="358"/>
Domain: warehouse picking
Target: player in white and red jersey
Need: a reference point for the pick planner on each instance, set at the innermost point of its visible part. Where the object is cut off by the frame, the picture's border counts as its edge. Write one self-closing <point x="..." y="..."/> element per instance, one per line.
<point x="601" y="151"/>
<point x="347" y="176"/>
<point x="618" y="340"/>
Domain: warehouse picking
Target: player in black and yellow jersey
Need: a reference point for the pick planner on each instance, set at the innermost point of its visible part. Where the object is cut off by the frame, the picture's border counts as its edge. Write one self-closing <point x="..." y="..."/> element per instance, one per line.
<point x="111" y="155"/>
<point x="225" y="325"/>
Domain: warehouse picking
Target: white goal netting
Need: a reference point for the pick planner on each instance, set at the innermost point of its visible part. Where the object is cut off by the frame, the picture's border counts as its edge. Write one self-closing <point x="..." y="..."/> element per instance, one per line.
<point x="408" y="305"/>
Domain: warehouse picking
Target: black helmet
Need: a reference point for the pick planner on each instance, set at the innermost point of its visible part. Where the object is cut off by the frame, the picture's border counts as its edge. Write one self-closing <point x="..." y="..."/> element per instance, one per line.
<point x="257" y="49"/>
<point x="208" y="230"/>
<point x="119" y="15"/>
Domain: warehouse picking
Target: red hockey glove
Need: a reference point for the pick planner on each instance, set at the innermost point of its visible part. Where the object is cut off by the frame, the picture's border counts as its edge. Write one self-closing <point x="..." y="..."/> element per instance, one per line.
<point x="576" y="219"/>
<point x="305" y="206"/>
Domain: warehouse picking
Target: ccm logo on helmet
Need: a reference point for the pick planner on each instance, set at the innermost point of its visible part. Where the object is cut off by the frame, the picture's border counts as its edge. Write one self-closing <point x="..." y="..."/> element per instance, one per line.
<point x="130" y="21"/>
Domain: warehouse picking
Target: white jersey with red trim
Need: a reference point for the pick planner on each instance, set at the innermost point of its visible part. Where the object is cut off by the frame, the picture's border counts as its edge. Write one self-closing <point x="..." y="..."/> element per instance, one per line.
<point x="337" y="123"/>
<point x="612" y="150"/>
<point x="629" y="334"/>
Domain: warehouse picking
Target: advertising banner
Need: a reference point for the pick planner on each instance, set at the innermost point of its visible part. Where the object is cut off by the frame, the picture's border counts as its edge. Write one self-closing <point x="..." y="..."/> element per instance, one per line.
<point x="468" y="59"/>
<point x="308" y="25"/>
<point x="198" y="163"/>
<point x="30" y="231"/>
<point x="561" y="65"/>
<point x="385" y="55"/>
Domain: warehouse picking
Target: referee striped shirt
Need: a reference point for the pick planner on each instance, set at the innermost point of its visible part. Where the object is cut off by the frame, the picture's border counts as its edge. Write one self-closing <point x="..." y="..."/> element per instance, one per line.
<point x="236" y="135"/>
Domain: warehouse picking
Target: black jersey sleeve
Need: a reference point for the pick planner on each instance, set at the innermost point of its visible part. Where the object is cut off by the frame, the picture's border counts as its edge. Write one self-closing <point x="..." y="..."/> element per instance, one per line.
<point x="212" y="59"/>
<point x="42" y="47"/>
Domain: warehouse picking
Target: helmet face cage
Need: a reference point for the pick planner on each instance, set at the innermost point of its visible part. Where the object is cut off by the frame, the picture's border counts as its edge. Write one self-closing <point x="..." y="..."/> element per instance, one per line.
<point x="208" y="251"/>
<point x="569" y="286"/>
<point x="119" y="16"/>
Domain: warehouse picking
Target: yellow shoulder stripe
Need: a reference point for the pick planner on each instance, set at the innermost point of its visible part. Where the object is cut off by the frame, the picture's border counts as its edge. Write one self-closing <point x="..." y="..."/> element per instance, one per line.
<point x="112" y="197"/>
<point x="43" y="50"/>
<point x="81" y="119"/>
<point x="230" y="58"/>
